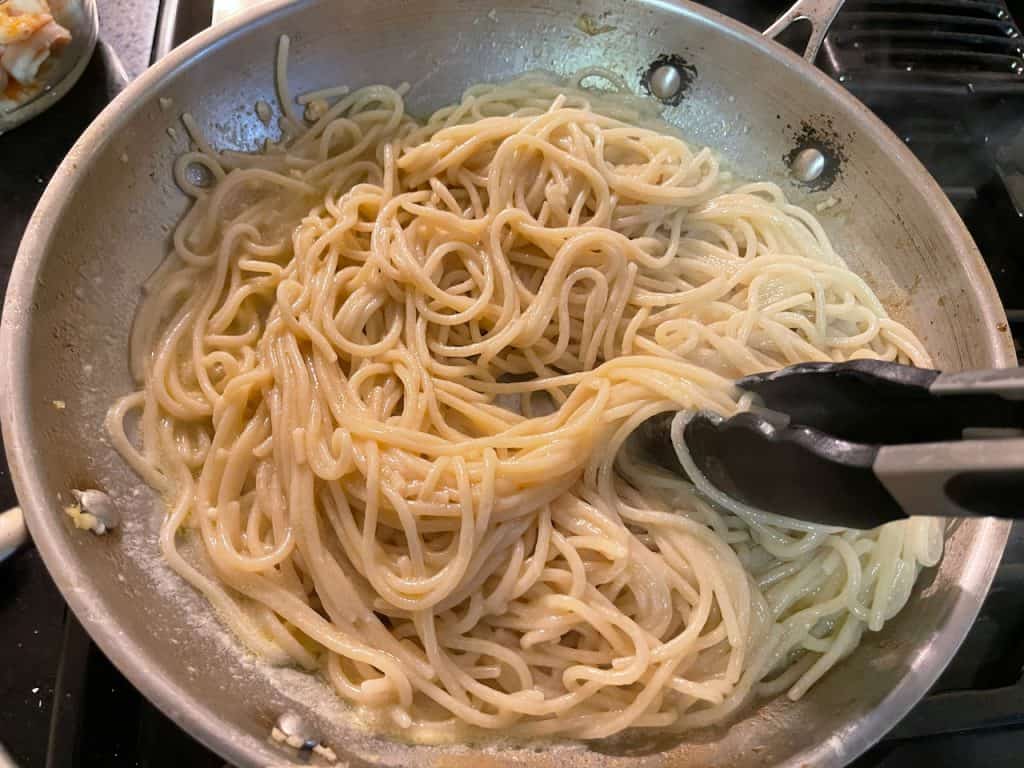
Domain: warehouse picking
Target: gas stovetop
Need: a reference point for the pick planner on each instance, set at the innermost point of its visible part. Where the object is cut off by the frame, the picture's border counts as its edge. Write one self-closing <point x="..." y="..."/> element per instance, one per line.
<point x="946" y="75"/>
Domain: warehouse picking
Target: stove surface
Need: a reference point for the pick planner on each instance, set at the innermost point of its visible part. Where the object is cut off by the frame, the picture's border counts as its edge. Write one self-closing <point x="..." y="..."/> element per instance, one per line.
<point x="946" y="75"/>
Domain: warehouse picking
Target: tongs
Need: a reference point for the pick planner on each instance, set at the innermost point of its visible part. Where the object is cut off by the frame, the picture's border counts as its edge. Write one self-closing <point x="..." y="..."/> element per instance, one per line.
<point x="861" y="443"/>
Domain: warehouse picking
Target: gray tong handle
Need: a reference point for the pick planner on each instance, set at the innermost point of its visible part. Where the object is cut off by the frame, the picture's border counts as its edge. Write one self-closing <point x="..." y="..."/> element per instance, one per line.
<point x="1005" y="382"/>
<point x="820" y="14"/>
<point x="968" y="477"/>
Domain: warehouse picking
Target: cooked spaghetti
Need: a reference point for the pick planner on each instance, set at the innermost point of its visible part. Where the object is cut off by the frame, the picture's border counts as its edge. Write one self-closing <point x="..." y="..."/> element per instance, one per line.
<point x="386" y="378"/>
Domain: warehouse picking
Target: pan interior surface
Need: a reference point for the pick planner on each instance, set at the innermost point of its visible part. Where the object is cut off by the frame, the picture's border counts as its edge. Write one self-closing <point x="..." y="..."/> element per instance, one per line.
<point x="103" y="227"/>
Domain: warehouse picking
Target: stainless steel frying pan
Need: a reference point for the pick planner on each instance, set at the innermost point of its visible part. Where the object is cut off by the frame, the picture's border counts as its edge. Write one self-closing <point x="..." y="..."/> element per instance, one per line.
<point x="102" y="227"/>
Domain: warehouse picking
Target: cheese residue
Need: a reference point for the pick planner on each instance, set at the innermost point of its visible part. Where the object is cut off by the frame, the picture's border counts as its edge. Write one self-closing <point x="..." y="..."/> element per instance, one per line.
<point x="316" y="109"/>
<point x="826" y="204"/>
<point x="296" y="742"/>
<point x="264" y="112"/>
<point x="85" y="521"/>
<point x="590" y="26"/>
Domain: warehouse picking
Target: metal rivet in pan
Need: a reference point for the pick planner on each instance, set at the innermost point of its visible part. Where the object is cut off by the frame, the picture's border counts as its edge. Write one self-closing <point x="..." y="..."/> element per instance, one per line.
<point x="665" y="82"/>
<point x="297" y="732"/>
<point x="808" y="164"/>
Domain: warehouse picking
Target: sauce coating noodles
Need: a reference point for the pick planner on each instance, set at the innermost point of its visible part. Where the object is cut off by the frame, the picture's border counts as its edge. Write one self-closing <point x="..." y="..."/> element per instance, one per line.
<point x="386" y="376"/>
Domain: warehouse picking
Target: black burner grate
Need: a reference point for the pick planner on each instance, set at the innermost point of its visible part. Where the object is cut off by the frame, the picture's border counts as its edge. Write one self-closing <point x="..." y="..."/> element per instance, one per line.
<point x="941" y="46"/>
<point x="947" y="76"/>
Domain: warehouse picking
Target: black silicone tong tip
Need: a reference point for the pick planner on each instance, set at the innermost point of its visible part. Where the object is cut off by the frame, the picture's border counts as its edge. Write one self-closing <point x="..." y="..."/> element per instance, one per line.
<point x="764" y="461"/>
<point x="864" y="401"/>
<point x="879" y="403"/>
<point x="859" y="444"/>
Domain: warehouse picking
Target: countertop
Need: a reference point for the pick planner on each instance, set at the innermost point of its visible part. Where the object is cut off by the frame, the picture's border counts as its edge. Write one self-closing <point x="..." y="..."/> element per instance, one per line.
<point x="128" y="26"/>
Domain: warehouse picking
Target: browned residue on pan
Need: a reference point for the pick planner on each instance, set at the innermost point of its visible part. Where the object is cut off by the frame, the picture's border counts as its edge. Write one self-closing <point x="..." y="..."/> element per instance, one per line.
<point x="819" y="133"/>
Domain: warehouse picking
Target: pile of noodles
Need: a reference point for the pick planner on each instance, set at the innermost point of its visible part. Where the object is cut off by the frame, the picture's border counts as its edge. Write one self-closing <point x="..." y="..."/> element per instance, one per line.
<point x="385" y="377"/>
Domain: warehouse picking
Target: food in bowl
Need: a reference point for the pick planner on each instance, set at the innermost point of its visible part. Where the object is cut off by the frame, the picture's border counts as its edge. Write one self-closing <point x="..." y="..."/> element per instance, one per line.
<point x="29" y="36"/>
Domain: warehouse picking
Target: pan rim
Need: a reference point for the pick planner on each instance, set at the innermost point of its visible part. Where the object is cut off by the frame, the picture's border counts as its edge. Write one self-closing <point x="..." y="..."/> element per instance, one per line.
<point x="195" y="715"/>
